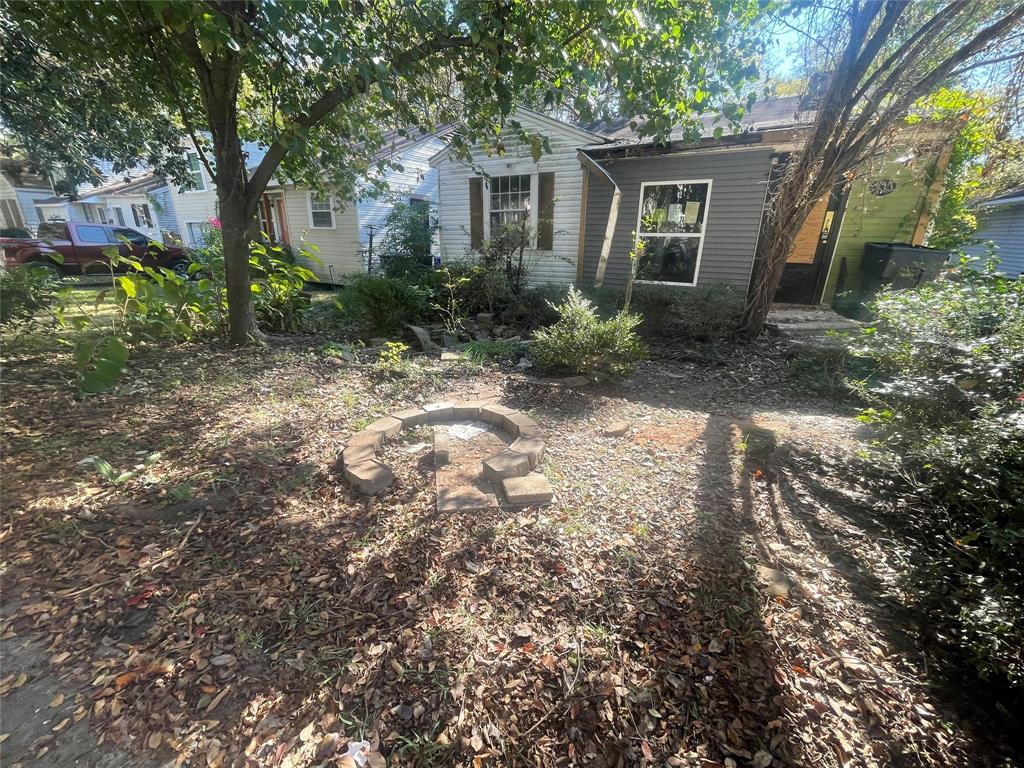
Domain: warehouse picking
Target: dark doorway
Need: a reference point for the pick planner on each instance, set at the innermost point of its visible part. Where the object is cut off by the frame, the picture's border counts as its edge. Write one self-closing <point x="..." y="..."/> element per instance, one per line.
<point x="803" y="279"/>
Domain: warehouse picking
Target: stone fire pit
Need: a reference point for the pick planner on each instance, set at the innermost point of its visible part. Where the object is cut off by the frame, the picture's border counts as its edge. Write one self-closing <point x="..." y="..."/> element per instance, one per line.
<point x="481" y="450"/>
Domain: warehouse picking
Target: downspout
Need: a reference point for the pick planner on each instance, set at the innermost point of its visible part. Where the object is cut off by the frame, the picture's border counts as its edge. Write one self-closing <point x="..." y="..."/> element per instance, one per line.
<point x="613" y="215"/>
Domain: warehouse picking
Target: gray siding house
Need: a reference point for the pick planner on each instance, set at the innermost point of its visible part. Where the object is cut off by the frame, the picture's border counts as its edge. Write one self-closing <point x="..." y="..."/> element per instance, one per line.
<point x="696" y="205"/>
<point x="1003" y="225"/>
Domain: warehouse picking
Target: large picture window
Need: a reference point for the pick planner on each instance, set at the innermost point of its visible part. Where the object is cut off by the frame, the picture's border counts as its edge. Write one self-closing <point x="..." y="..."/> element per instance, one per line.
<point x="510" y="203"/>
<point x="671" y="224"/>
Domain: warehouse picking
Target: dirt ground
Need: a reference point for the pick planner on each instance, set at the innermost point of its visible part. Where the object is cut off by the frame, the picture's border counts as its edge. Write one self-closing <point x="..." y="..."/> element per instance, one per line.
<point x="713" y="588"/>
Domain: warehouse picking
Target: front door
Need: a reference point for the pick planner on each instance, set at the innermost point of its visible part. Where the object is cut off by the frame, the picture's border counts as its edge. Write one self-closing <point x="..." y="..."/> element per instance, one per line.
<point x="803" y="279"/>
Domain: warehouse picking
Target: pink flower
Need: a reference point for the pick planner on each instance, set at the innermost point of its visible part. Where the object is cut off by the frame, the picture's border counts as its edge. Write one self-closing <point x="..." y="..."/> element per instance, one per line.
<point x="214" y="222"/>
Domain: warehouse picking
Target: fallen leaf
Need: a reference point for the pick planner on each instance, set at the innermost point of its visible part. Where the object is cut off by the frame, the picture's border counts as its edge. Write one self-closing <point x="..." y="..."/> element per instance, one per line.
<point x="56" y="701"/>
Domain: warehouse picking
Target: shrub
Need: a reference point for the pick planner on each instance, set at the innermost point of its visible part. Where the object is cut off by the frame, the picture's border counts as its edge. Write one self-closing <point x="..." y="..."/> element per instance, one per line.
<point x="702" y="313"/>
<point x="581" y="342"/>
<point x="408" y="236"/>
<point x="26" y="290"/>
<point x="384" y="304"/>
<point x="279" y="286"/>
<point x="947" y="398"/>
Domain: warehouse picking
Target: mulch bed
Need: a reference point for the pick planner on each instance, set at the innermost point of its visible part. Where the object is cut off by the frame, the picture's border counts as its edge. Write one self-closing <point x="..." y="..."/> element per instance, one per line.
<point x="707" y="590"/>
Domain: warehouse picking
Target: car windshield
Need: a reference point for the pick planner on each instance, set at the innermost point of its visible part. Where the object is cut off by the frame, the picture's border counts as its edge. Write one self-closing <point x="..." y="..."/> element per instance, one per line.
<point x="53" y="231"/>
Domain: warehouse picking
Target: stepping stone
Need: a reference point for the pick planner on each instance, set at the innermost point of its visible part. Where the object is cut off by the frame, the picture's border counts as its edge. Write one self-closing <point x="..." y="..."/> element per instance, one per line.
<point x="369" y="477"/>
<point x="358" y="453"/>
<point x="410" y="417"/>
<point x="439" y="412"/>
<point x="531" y="447"/>
<point x="450" y="357"/>
<point x="387" y="426"/>
<point x="366" y="437"/>
<point x="520" y="425"/>
<point x="461" y="498"/>
<point x="533" y="488"/>
<point x="506" y="464"/>
<point x="468" y="409"/>
<point x="573" y="381"/>
<point x="441" y="448"/>
<point x="495" y="414"/>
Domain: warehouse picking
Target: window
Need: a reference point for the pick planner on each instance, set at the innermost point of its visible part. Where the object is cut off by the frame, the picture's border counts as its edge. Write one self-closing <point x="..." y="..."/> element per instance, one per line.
<point x="89" y="216"/>
<point x="142" y="216"/>
<point x="195" y="173"/>
<point x="120" y="215"/>
<point x="133" y="237"/>
<point x="671" y="224"/>
<point x="321" y="211"/>
<point x="52" y="230"/>
<point x="510" y="202"/>
<point x="197" y="233"/>
<point x="93" y="235"/>
<point x="11" y="214"/>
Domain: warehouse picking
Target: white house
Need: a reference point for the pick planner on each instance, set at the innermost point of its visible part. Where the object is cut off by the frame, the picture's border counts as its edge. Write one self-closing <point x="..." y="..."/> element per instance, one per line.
<point x="1002" y="224"/>
<point x="20" y="193"/>
<point x="138" y="199"/>
<point x="294" y="216"/>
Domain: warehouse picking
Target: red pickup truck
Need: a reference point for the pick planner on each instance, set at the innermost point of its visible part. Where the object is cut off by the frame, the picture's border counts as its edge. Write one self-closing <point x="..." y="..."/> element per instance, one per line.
<point x="74" y="248"/>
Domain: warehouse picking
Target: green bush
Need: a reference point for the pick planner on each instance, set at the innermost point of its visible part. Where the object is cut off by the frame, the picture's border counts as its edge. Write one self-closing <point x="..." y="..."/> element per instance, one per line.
<point x="385" y="304"/>
<point x="279" y="286"/>
<point x="26" y="290"/>
<point x="702" y="313"/>
<point x="580" y="342"/>
<point x="408" y="236"/>
<point x="947" y="399"/>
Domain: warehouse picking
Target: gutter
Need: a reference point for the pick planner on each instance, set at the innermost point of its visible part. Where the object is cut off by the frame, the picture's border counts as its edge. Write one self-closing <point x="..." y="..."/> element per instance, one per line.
<point x="613" y="214"/>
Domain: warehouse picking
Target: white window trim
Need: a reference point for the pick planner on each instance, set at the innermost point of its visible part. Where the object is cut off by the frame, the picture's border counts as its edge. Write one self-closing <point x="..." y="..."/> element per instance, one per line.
<point x="188" y="232"/>
<point x="703" y="230"/>
<point x="309" y="211"/>
<point x="202" y="176"/>
<point x="532" y="220"/>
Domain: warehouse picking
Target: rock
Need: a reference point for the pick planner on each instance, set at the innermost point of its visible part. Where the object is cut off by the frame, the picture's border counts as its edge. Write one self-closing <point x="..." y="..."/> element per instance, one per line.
<point x="441" y="448"/>
<point x="369" y="477"/>
<point x="371" y="437"/>
<point x="777" y="583"/>
<point x="508" y="463"/>
<point x="449" y="341"/>
<point x="387" y="426"/>
<point x="485" y="319"/>
<point x="378" y="342"/>
<point x="482" y="336"/>
<point x="531" y="447"/>
<point x="423" y="337"/>
<point x="461" y="498"/>
<point x="574" y="381"/>
<point x="448" y="356"/>
<point x="616" y="429"/>
<point x="500" y="330"/>
<point x="533" y="488"/>
<point x="524" y="363"/>
<point x="410" y="417"/>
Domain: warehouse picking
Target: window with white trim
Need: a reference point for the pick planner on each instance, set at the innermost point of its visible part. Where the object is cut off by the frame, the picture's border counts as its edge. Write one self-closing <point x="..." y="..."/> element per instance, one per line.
<point x="510" y="202"/>
<point x="671" y="224"/>
<point x="321" y="211"/>
<point x="195" y="172"/>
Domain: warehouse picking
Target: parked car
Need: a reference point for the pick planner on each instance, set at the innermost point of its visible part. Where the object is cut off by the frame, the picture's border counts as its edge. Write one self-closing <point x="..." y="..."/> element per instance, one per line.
<point x="75" y="248"/>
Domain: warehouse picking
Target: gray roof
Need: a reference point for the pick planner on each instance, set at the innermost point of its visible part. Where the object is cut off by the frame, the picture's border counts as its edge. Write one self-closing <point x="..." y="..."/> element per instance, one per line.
<point x="21" y="174"/>
<point x="1007" y="198"/>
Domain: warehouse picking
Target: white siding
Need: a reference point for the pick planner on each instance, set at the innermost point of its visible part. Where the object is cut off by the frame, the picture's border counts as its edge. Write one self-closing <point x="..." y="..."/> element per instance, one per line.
<point x="416" y="179"/>
<point x="1004" y="226"/>
<point x="555" y="266"/>
<point x="194" y="206"/>
<point x="338" y="247"/>
<point x="25" y="200"/>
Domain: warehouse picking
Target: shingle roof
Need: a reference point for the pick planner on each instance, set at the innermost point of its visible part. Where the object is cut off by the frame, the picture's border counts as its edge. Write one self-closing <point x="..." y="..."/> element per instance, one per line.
<point x="140" y="185"/>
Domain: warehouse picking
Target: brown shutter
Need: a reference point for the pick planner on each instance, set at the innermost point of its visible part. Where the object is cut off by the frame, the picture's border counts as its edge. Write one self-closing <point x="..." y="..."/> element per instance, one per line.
<point x="476" y="213"/>
<point x="546" y="212"/>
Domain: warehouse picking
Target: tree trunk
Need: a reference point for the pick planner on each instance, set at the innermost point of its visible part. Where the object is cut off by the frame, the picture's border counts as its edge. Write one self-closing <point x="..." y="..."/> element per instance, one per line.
<point x="237" y="224"/>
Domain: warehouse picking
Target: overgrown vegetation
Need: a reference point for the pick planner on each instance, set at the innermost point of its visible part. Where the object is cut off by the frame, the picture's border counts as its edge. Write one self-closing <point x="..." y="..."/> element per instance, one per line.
<point x="25" y="291"/>
<point x="947" y="398"/>
<point x="581" y="342"/>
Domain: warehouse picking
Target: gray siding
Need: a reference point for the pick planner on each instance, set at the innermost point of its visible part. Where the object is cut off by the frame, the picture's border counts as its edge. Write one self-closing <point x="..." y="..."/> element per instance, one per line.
<point x="163" y="201"/>
<point x="1004" y="226"/>
<point x="739" y="179"/>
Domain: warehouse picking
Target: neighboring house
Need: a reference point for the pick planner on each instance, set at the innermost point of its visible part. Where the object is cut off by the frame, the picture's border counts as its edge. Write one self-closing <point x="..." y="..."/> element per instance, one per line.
<point x="138" y="199"/>
<point x="1002" y="223"/>
<point x="294" y="216"/>
<point x="20" y="193"/>
<point x="697" y="205"/>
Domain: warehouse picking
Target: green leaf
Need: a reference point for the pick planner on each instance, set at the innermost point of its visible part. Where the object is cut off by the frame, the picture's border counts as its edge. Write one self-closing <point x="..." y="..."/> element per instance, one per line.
<point x="128" y="286"/>
<point x="102" y="365"/>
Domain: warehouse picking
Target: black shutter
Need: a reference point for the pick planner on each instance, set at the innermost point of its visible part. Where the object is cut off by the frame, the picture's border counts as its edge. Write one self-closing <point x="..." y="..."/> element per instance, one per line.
<point x="476" y="213"/>
<point x="546" y="212"/>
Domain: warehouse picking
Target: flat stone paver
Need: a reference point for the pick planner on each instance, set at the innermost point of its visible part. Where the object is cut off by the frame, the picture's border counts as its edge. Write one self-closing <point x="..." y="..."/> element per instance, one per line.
<point x="520" y="425"/>
<point x="410" y="417"/>
<point x="462" y="498"/>
<point x="370" y="477"/>
<point x="506" y="464"/>
<point x="533" y="488"/>
<point x="531" y="447"/>
<point x="358" y="453"/>
<point x="442" y="446"/>
<point x="387" y="426"/>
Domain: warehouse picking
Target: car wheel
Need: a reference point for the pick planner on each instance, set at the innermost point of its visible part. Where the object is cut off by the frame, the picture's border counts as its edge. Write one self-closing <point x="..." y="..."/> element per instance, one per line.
<point x="180" y="268"/>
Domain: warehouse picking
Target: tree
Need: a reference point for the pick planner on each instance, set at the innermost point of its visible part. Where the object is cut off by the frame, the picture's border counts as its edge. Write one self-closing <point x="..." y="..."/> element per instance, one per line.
<point x="883" y="56"/>
<point x="319" y="83"/>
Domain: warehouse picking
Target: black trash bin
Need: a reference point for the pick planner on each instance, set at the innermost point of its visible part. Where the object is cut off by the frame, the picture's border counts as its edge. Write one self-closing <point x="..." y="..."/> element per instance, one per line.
<point x="900" y="265"/>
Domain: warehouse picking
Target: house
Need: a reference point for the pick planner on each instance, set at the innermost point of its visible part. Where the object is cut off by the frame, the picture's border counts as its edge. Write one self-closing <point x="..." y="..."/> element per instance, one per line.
<point x="21" y="190"/>
<point x="1002" y="224"/>
<point x="696" y="205"/>
<point x="338" y="233"/>
<point x="139" y="199"/>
